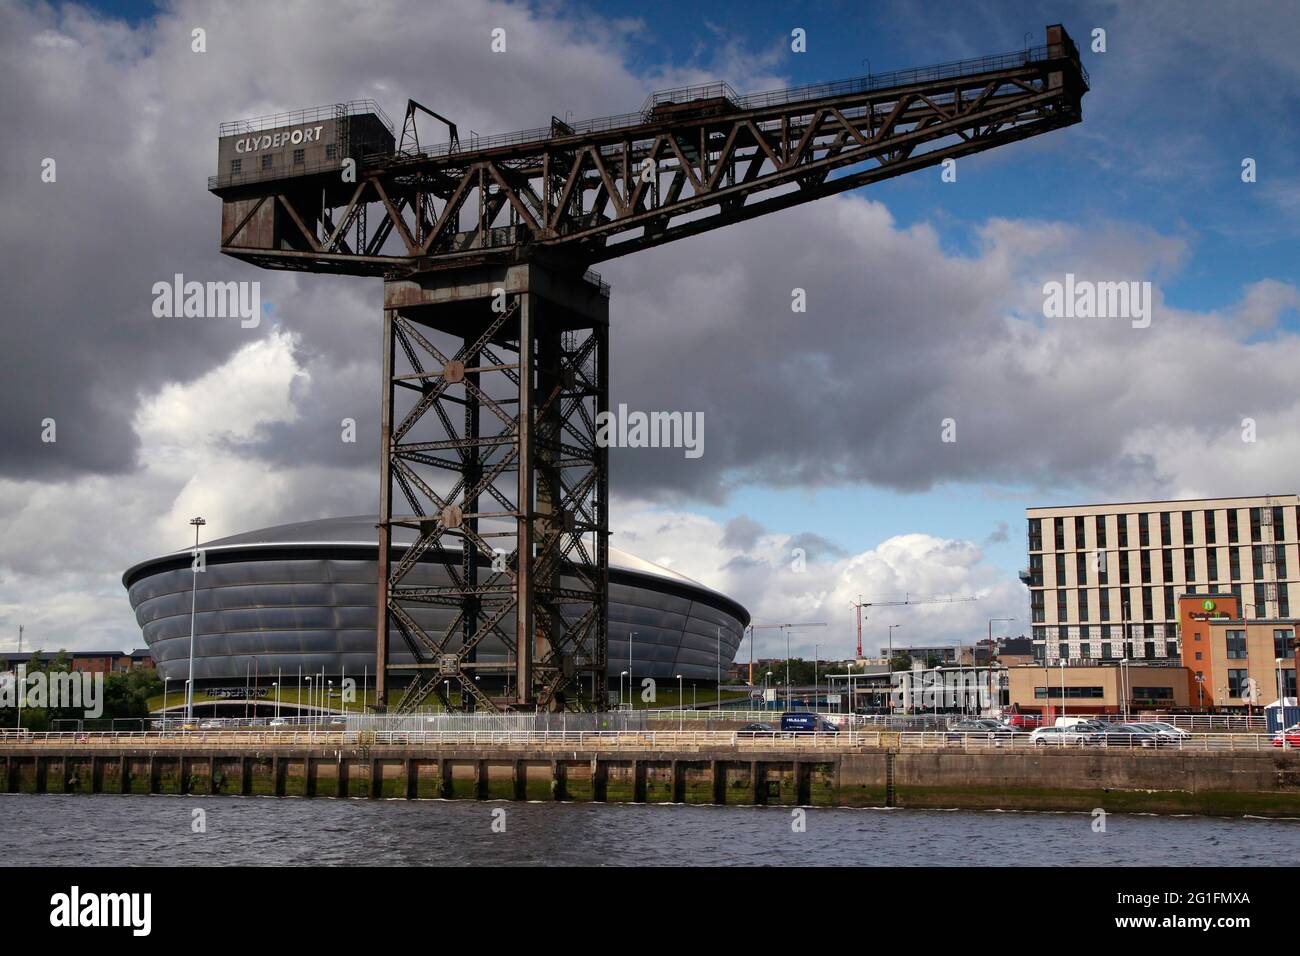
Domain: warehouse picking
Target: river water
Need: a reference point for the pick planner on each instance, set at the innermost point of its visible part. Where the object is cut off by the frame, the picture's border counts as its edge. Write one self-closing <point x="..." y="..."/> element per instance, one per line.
<point x="141" y="831"/>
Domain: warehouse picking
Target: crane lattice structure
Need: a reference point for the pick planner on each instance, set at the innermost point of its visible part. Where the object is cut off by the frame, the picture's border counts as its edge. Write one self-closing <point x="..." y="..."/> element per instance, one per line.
<point x="908" y="601"/>
<point x="495" y="335"/>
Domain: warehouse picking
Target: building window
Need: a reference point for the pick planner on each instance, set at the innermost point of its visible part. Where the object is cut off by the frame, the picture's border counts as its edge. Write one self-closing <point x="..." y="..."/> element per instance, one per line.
<point x="1212" y="564"/>
<point x="1254" y="524"/>
<point x="1145" y="562"/>
<point x="1148" y="611"/>
<point x="1236" y="641"/>
<point x="1035" y="529"/>
<point x="1121" y="522"/>
<point x="1189" y="565"/>
<point x="1144" y="531"/>
<point x="1103" y="597"/>
<point x="1279" y="556"/>
<point x="1198" y="655"/>
<point x="1100" y="529"/>
<point x="1071" y="693"/>
<point x="1171" y="611"/>
<point x="236" y="165"/>
<point x="1283" y="605"/>
<point x="1123" y="568"/>
<point x="1209" y="527"/>
<point x="1237" y="681"/>
<point x="1060" y="570"/>
<point x="1187" y="529"/>
<point x="1059" y="527"/>
<point x="331" y="151"/>
<point x="1081" y="569"/>
<point x="266" y="161"/>
<point x="1234" y="564"/>
<point x="1083" y="606"/>
<point x="1261" y="597"/>
<point x="1078" y="532"/>
<point x="1164" y="529"/>
<point x="1232" y="526"/>
<point x="1167" y="565"/>
<point x="1283" y="646"/>
<point x="299" y="155"/>
<point x="1152" y="694"/>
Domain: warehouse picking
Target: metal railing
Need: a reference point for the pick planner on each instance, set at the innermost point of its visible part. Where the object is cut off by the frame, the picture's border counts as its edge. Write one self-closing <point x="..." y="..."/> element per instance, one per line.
<point x="638" y="740"/>
<point x="311" y="114"/>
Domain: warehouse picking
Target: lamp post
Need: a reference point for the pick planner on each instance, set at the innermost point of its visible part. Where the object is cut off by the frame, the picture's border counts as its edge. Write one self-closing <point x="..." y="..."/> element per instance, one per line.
<point x="631" y="638"/>
<point x="165" y="680"/>
<point x="276" y="685"/>
<point x="719" y="666"/>
<point x="621" y="675"/>
<point x="1281" y="703"/>
<point x="194" y="597"/>
<point x="766" y="677"/>
<point x="1062" y="686"/>
<point x="889" y="667"/>
<point x="681" y="701"/>
<point x="817" y="651"/>
<point x="308" y="698"/>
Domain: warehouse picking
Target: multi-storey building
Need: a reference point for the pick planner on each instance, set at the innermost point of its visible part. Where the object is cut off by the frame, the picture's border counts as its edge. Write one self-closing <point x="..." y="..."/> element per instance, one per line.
<point x="1104" y="580"/>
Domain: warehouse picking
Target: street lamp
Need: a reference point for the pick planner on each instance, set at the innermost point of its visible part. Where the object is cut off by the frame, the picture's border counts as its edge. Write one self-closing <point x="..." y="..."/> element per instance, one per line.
<point x="817" y="650"/>
<point x="1062" y="686"/>
<point x="194" y="597"/>
<point x="621" y="675"/>
<point x="681" y="700"/>
<point x="276" y="685"/>
<point x="1281" y="703"/>
<point x="766" y="677"/>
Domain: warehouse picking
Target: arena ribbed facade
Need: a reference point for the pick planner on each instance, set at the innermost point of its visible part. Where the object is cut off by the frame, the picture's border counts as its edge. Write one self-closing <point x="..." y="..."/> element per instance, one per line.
<point x="302" y="596"/>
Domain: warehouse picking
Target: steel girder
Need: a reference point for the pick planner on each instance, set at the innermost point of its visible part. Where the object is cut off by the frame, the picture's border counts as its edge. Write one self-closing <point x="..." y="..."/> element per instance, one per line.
<point x="673" y="170"/>
<point x="494" y="385"/>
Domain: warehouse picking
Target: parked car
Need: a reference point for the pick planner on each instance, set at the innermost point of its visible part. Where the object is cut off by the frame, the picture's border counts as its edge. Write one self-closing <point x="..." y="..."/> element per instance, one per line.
<point x="278" y="722"/>
<point x="752" y="730"/>
<point x="210" y="725"/>
<point x="1025" y="722"/>
<point x="1131" y="735"/>
<point x="1164" y="729"/>
<point x="1086" y="723"/>
<point x="988" y="729"/>
<point x="1062" y="736"/>
<point x="1291" y="736"/>
<point x="807" y="723"/>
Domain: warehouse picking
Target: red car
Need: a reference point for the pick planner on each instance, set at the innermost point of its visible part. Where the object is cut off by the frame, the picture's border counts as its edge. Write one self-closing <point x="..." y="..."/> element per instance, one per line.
<point x="1022" y="721"/>
<point x="1292" y="735"/>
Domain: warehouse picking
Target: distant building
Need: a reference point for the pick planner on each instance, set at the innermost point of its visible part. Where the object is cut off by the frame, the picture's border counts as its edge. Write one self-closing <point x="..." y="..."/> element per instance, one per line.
<point x="1104" y="579"/>
<point x="95" y="662"/>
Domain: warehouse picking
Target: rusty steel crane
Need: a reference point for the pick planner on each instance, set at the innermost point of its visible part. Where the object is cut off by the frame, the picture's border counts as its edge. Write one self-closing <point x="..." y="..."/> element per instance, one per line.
<point x="493" y="486"/>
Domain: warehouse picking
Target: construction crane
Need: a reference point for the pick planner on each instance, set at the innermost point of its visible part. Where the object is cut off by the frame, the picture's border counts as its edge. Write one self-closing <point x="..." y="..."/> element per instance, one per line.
<point x="859" y="604"/>
<point x="495" y="335"/>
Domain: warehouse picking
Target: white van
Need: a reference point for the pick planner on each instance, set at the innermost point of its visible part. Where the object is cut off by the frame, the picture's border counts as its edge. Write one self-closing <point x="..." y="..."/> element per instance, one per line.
<point x="1082" y="723"/>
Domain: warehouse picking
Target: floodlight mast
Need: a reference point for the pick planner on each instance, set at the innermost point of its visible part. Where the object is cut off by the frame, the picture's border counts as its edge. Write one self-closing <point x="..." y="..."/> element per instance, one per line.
<point x="495" y="341"/>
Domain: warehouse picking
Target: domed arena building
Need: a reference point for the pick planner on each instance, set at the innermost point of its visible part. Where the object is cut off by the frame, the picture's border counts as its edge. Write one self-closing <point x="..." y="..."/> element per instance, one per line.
<point x="300" y="598"/>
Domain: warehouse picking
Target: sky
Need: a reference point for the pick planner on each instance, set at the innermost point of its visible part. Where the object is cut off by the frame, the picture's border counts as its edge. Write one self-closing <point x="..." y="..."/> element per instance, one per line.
<point x="823" y="429"/>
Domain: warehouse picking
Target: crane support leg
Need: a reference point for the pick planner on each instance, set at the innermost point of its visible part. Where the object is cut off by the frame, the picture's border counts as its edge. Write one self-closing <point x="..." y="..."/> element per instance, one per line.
<point x="494" y="567"/>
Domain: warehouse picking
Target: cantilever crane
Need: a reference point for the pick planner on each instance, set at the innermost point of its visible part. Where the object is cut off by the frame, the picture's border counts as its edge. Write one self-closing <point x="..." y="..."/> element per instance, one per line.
<point x="493" y="485"/>
<point x="859" y="604"/>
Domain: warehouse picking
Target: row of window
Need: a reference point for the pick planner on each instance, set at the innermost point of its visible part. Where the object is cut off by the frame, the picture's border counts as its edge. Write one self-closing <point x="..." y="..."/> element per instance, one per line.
<point x="1237" y="684"/>
<point x="1158" y="604"/>
<point x="268" y="159"/>
<point x="1262" y="557"/>
<point x="1283" y="646"/>
<point x="1158" y="526"/>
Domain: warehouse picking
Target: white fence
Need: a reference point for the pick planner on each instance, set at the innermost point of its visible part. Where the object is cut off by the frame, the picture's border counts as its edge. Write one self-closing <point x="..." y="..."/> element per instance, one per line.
<point x="846" y="741"/>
